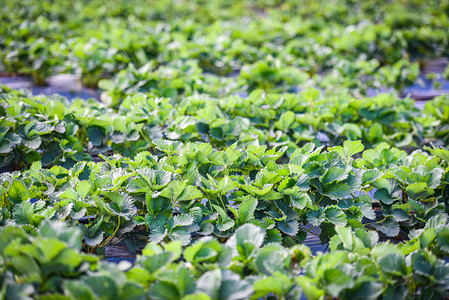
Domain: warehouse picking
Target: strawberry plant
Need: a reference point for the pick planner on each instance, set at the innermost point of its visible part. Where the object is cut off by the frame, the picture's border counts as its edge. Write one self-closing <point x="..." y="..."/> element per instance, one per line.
<point x="228" y="136"/>
<point x="48" y="264"/>
<point x="61" y="133"/>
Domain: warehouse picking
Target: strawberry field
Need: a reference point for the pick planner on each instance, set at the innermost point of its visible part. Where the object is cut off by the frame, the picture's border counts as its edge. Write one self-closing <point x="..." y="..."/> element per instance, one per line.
<point x="256" y="149"/>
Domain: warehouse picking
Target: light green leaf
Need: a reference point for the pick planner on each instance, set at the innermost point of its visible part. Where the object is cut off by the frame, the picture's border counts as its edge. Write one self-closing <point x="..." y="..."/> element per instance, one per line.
<point x="190" y="193"/>
<point x="182" y="220"/>
<point x="352" y="147"/>
<point x="83" y="188"/>
<point x="394" y="264"/>
<point x="334" y="174"/>
<point x="278" y="284"/>
<point x="335" y="215"/>
<point x="246" y="210"/>
<point x="345" y="235"/>
<point x="18" y="192"/>
<point x="247" y="239"/>
<point x="69" y="193"/>
<point x="209" y="283"/>
<point x="164" y="290"/>
<point x="285" y="121"/>
<point x="418" y="190"/>
<point x="442" y="238"/>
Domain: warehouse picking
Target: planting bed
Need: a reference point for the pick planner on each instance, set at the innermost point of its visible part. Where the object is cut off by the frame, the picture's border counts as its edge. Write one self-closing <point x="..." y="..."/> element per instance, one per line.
<point x="224" y="149"/>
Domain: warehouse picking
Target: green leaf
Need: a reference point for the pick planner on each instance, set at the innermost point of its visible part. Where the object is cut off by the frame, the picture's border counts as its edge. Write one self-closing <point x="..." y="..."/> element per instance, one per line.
<point x="336" y="280"/>
<point x="369" y="238"/>
<point x="384" y="196"/>
<point x="83" y="188"/>
<point x="132" y="291"/>
<point x="122" y="204"/>
<point x="209" y="283"/>
<point x="427" y="237"/>
<point x="290" y="227"/>
<point x="190" y="193"/>
<point x="400" y="215"/>
<point x="279" y="284"/>
<point x="23" y="213"/>
<point x="395" y="292"/>
<point x="231" y="155"/>
<point x="436" y="221"/>
<point x="224" y="225"/>
<point x="157" y="234"/>
<point x="179" y="191"/>
<point x="164" y="290"/>
<point x="335" y="215"/>
<point x="8" y="143"/>
<point x="199" y="253"/>
<point x="69" y="193"/>
<point x="285" y="121"/>
<point x="167" y="146"/>
<point x="345" y="235"/>
<point x="18" y="192"/>
<point x="334" y="174"/>
<point x="273" y="236"/>
<point x="352" y="147"/>
<point x="389" y="227"/>
<point x="161" y="179"/>
<point x="271" y="259"/>
<point x="175" y="248"/>
<point x="197" y="296"/>
<point x="246" y="210"/>
<point x="337" y="191"/>
<point x="20" y="291"/>
<point x="368" y="211"/>
<point x="365" y="290"/>
<point x="182" y="220"/>
<point x="422" y="265"/>
<point x="303" y="182"/>
<point x="310" y="288"/>
<point x="233" y="287"/>
<point x="103" y="286"/>
<point x="78" y="290"/>
<point x="393" y="264"/>
<point x="96" y="135"/>
<point x="157" y="261"/>
<point x="119" y="124"/>
<point x="94" y="240"/>
<point x="33" y="142"/>
<point x="25" y="265"/>
<point x="370" y="176"/>
<point x="247" y="239"/>
<point x="224" y="222"/>
<point x="50" y="248"/>
<point x="442" y="238"/>
<point x="301" y="200"/>
<point x="316" y="217"/>
<point x="418" y="190"/>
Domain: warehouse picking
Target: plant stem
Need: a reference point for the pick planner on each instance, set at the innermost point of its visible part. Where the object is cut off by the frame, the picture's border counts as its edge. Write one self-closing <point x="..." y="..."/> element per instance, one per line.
<point x="222" y="203"/>
<point x="322" y="196"/>
<point x="309" y="231"/>
<point x="106" y="241"/>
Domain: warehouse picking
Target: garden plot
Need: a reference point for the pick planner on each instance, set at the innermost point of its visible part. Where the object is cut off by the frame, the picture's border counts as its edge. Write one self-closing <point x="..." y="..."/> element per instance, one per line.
<point x="224" y="149"/>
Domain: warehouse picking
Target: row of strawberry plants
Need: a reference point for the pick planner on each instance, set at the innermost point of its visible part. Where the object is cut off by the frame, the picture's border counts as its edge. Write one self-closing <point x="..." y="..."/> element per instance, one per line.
<point x="48" y="265"/>
<point x="182" y="192"/>
<point x="344" y="45"/>
<point x="55" y="131"/>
